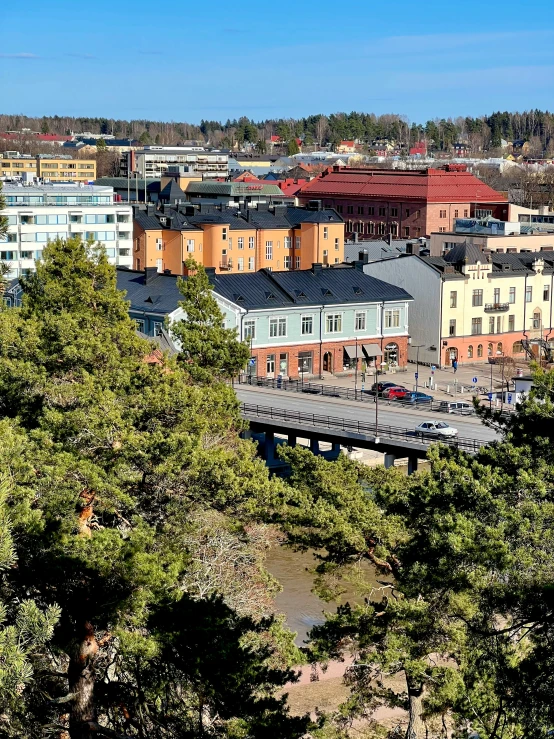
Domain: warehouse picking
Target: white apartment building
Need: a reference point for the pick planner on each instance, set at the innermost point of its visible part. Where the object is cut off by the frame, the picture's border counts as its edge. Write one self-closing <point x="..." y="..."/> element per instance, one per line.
<point x="152" y="162"/>
<point x="41" y="213"/>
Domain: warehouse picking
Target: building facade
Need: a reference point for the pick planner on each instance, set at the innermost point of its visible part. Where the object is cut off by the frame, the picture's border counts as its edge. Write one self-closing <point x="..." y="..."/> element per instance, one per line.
<point x="55" y="169"/>
<point x="40" y="213"/>
<point x="475" y="307"/>
<point x="153" y="161"/>
<point x="404" y="203"/>
<point x="503" y="237"/>
<point x="298" y="324"/>
<point x="232" y="240"/>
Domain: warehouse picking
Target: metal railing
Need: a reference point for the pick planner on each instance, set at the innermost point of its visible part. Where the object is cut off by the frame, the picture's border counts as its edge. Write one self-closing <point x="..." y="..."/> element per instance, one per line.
<point x="496" y="307"/>
<point x="332" y="423"/>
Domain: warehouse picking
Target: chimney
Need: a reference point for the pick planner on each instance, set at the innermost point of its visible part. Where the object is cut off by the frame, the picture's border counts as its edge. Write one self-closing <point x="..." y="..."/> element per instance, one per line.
<point x="363" y="256"/>
<point x="150" y="209"/>
<point x="316" y="268"/>
<point x="210" y="273"/>
<point x="355" y="237"/>
<point x="388" y="239"/>
<point x="150" y="274"/>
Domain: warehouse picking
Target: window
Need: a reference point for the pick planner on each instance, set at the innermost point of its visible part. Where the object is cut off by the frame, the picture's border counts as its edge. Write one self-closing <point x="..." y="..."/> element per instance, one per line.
<point x="512" y="295"/>
<point x="406" y="231"/>
<point x="307" y="325"/>
<point x="250" y="330"/>
<point x="381" y="229"/>
<point x="287" y="242"/>
<point x="350" y="209"/>
<point x="442" y="214"/>
<point x="546" y="292"/>
<point x="250" y="262"/>
<point x="536" y="320"/>
<point x="360" y="320"/>
<point x="477" y="298"/>
<point x="499" y="348"/>
<point x="240" y="242"/>
<point x="337" y="244"/>
<point x="394" y="212"/>
<point x="360" y="210"/>
<point x="298" y="242"/>
<point x="480" y="350"/>
<point x="470" y="352"/>
<point x="442" y="229"/>
<point x="476" y="326"/>
<point x="325" y="232"/>
<point x="224" y="233"/>
<point x="496" y="295"/>
<point x="491" y="325"/>
<point x="270" y="364"/>
<point x="392" y="318"/>
<point x="8" y="255"/>
<point x="159" y="265"/>
<point x="528" y="294"/>
<point x="269" y="250"/>
<point x="490" y="350"/>
<point x="277" y="327"/>
<point x="499" y="324"/>
<point x="157" y="328"/>
<point x="452" y="327"/>
<point x="297" y="262"/>
<point x="407" y="212"/>
<point x="454" y="299"/>
<point x="382" y="211"/>
<point x="12" y="238"/>
<point x="333" y="323"/>
<point x="305" y="362"/>
<point x="230" y="243"/>
<point x="466" y="213"/>
<point x="286" y="262"/>
<point x="517" y="347"/>
<point x="511" y="322"/>
<point x="456" y="214"/>
<point x="250" y="242"/>
<point x="339" y="208"/>
<point x="139" y="323"/>
<point x="325" y="256"/>
<point x="159" y="245"/>
<point x="190" y="245"/>
<point x="240" y="264"/>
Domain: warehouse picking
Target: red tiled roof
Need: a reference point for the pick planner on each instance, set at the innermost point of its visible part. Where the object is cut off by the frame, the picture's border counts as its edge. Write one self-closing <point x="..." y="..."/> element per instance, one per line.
<point x="291" y="187"/>
<point x="276" y="138"/>
<point x="38" y="136"/>
<point x="430" y="185"/>
<point x="347" y="143"/>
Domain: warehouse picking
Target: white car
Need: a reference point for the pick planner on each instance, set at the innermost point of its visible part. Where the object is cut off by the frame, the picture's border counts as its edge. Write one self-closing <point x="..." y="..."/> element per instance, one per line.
<point x="435" y="428"/>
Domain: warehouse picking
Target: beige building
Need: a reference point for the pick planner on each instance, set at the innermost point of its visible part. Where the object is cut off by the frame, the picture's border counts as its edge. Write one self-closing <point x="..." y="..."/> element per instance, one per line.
<point x="531" y="240"/>
<point x="55" y="169"/>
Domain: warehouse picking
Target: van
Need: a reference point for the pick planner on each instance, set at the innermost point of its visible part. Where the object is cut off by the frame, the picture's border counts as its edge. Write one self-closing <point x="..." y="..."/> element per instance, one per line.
<point x="456" y="406"/>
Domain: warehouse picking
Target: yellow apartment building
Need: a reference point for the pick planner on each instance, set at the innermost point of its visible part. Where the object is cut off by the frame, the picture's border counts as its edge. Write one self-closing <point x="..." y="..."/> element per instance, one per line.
<point x="56" y="169"/>
<point x="274" y="237"/>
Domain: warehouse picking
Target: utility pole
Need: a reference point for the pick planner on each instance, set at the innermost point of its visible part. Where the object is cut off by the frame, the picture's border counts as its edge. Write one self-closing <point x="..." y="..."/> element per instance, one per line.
<point x="356" y="374"/>
<point x="418" y="347"/>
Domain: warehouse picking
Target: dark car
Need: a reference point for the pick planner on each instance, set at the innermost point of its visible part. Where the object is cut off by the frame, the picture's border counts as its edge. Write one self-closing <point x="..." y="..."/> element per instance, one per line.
<point x="382" y="386"/>
<point x="416" y="398"/>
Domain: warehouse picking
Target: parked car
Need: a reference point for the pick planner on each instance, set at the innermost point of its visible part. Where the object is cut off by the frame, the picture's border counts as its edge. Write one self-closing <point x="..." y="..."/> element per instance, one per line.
<point x="397" y="391"/>
<point x="382" y="386"/>
<point x="456" y="406"/>
<point x="416" y="398"/>
<point x="436" y="428"/>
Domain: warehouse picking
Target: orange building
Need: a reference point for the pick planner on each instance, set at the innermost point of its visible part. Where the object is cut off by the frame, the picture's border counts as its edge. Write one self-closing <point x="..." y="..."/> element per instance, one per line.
<point x="273" y="237"/>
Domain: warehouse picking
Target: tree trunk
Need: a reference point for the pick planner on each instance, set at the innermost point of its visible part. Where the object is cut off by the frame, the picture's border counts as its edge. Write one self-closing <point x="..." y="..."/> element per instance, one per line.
<point x="416" y="725"/>
<point x="81" y="683"/>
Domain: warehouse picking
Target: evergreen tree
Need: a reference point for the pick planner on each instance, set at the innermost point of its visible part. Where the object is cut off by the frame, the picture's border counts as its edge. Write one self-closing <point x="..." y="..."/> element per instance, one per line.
<point x="292" y="147"/>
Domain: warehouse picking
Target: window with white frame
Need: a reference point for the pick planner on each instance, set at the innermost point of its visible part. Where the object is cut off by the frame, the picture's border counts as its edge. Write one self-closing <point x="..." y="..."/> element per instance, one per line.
<point x="277" y="327"/>
<point x="307" y="325"/>
<point x="240" y="264"/>
<point x="298" y="242"/>
<point x="297" y="262"/>
<point x="159" y="244"/>
<point x="286" y="262"/>
<point x="240" y="242"/>
<point x="325" y="232"/>
<point x="230" y="242"/>
<point x="249" y="329"/>
<point x="250" y="242"/>
<point x="190" y="245"/>
<point x="250" y="262"/>
<point x="287" y="243"/>
<point x="392" y="318"/>
<point x="333" y="323"/>
<point x="325" y="256"/>
<point x="224" y="233"/>
<point x="269" y="250"/>
<point x="360" y="320"/>
<point x="337" y="244"/>
<point x="160" y="265"/>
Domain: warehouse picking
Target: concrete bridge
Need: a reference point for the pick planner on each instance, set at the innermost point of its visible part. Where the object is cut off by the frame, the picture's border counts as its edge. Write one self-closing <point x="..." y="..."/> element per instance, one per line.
<point x="392" y="441"/>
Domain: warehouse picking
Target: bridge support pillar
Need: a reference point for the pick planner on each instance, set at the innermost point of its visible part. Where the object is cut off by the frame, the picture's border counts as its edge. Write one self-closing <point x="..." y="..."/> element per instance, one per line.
<point x="389" y="460"/>
<point x="412" y="465"/>
<point x="314" y="446"/>
<point x="247" y="434"/>
<point x="291" y="441"/>
<point x="335" y="448"/>
<point x="269" y="446"/>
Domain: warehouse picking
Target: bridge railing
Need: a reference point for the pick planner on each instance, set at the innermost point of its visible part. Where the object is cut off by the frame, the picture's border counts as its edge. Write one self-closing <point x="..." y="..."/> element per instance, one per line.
<point x="332" y="423"/>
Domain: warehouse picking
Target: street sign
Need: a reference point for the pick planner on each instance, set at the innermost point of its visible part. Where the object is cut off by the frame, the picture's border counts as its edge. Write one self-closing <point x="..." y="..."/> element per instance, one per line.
<point x="433" y="368"/>
<point x="252" y="362"/>
<point x="474" y="380"/>
<point x="510" y="398"/>
<point x="489" y="395"/>
<point x="416" y="375"/>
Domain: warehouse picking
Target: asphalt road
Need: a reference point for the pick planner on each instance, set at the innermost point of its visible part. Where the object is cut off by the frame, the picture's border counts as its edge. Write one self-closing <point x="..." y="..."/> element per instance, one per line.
<point x="469" y="427"/>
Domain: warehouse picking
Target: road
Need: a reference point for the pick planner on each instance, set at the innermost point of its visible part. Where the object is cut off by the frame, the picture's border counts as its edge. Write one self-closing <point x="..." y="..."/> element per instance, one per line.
<point x="469" y="427"/>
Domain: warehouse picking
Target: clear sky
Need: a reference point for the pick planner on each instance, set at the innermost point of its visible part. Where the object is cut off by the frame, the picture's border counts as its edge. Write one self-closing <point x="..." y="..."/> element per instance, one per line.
<point x="183" y="61"/>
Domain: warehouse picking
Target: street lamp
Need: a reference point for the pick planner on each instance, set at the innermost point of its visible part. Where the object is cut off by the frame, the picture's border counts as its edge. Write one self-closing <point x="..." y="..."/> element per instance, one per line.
<point x="377" y="401"/>
<point x="418" y="347"/>
<point x="356" y="374"/>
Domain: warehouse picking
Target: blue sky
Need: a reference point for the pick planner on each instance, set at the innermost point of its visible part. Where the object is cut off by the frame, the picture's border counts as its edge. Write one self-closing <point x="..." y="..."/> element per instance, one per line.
<point x="183" y="61"/>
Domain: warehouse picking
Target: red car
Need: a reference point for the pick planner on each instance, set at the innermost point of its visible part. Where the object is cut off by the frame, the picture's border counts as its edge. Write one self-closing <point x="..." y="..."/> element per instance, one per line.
<point x="395" y="393"/>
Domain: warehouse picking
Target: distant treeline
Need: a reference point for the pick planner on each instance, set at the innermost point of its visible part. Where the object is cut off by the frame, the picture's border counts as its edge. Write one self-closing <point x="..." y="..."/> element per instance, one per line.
<point x="482" y="134"/>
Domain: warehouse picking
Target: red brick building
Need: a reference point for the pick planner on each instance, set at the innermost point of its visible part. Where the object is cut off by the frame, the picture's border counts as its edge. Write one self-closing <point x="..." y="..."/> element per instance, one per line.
<point x="404" y="203"/>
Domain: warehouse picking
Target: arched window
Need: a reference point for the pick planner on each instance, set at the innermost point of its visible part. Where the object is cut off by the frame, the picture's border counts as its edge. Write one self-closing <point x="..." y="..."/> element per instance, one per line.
<point x="499" y="348"/>
<point x="470" y="352"/>
<point x="517" y="347"/>
<point x="391" y="353"/>
<point x="489" y="350"/>
<point x="480" y="350"/>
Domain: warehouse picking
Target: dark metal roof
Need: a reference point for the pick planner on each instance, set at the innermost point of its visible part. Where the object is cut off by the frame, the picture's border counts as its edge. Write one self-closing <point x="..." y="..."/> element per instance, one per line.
<point x="159" y="296"/>
<point x="172" y="193"/>
<point x="465" y="254"/>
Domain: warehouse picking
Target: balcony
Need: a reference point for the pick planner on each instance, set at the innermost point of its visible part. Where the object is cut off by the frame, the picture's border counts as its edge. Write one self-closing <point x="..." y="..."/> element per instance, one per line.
<point x="497" y="307"/>
<point x="226" y="265"/>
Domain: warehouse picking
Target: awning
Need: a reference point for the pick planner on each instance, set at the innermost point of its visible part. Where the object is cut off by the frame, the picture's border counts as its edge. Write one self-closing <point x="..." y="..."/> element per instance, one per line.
<point x="372" y="350"/>
<point x="351" y="351"/>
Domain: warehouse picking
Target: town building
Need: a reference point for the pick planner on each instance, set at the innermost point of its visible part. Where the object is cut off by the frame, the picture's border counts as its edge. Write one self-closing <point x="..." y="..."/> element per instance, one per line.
<point x="236" y="194"/>
<point x="297" y="323"/>
<point x="153" y="161"/>
<point x="492" y="235"/>
<point x="474" y="307"/>
<point x="40" y="213"/>
<point x="45" y="167"/>
<point x="404" y="203"/>
<point x="237" y="240"/>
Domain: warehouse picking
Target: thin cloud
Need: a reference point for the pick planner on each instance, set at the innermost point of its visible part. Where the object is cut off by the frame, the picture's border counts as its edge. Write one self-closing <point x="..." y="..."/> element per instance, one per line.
<point x="20" y="55"/>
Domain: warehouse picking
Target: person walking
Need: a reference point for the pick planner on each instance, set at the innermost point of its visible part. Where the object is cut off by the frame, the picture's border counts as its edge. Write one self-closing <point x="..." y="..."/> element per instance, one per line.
<point x="455" y="365"/>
